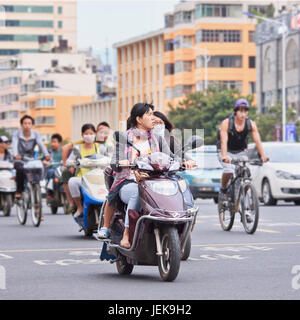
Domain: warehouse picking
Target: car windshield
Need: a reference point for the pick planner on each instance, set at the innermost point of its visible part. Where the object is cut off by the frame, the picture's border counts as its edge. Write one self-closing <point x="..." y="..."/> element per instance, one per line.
<point x="206" y="160"/>
<point x="281" y="153"/>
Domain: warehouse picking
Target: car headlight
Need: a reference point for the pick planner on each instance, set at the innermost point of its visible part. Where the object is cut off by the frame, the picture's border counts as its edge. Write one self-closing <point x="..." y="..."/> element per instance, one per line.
<point x="203" y="180"/>
<point x="182" y="185"/>
<point x="166" y="188"/>
<point x="285" y="175"/>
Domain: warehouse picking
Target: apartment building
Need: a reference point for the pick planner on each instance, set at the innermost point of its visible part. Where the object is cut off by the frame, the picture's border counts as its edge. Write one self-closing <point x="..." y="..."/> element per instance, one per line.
<point x="140" y="72"/>
<point x="269" y="62"/>
<point x="34" y="26"/>
<point x="203" y="43"/>
<point x="49" y="98"/>
<point x="63" y="75"/>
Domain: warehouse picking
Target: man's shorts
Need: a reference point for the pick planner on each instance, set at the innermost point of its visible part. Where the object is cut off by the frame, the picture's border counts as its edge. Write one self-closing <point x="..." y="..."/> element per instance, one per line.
<point x="228" y="167"/>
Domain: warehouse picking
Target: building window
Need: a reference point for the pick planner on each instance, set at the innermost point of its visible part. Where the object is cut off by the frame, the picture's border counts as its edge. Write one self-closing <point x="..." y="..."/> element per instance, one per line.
<point x="251" y="36"/>
<point x="59" y="10"/>
<point x="44" y="120"/>
<point x="218" y="10"/>
<point x="169" y="21"/>
<point x="183" y="42"/>
<point x="45" y="103"/>
<point x="13" y="114"/>
<point x="218" y="36"/>
<point x="225" y="62"/>
<point x="252" y="87"/>
<point x="187" y="16"/>
<point x="169" y="68"/>
<point x="267" y="61"/>
<point x="44" y="84"/>
<point x="183" y="66"/>
<point x="29" y="9"/>
<point x="4" y="115"/>
<point x="169" y="45"/>
<point x="251" y="62"/>
<point x="200" y="85"/>
<point x="24" y="37"/>
<point x="60" y="24"/>
<point x="169" y="93"/>
<point x="292" y="60"/>
<point x="29" y="23"/>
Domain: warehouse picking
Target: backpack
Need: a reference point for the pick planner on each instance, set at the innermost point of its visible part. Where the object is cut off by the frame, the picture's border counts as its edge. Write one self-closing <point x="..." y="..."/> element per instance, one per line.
<point x="230" y="129"/>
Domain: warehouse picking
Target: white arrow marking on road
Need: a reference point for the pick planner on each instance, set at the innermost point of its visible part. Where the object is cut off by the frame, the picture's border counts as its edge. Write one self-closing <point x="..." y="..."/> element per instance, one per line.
<point x="4" y="256"/>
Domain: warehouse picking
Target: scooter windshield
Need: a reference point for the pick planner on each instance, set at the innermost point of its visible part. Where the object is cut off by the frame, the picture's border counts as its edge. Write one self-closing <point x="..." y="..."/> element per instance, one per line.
<point x="159" y="161"/>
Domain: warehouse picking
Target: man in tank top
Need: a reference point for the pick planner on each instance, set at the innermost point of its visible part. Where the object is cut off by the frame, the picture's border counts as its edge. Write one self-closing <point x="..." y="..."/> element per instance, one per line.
<point x="234" y="133"/>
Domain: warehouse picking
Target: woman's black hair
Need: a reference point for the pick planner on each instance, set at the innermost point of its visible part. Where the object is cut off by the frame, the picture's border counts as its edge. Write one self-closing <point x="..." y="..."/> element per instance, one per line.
<point x="86" y="127"/>
<point x="26" y="117"/>
<point x="138" y="110"/>
<point x="169" y="126"/>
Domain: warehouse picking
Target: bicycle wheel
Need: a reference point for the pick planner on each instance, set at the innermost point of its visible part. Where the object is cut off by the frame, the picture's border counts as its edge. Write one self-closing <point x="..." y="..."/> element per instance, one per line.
<point x="250" y="208"/>
<point x="36" y="203"/>
<point x="21" y="210"/>
<point x="226" y="216"/>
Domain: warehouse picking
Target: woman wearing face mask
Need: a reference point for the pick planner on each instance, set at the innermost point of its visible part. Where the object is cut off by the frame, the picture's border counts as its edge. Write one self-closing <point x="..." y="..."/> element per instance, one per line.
<point x="163" y="127"/>
<point x="88" y="148"/>
<point x="125" y="185"/>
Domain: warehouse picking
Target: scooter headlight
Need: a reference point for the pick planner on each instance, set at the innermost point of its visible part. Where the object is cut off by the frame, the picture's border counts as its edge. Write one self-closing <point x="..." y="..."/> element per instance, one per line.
<point x="182" y="184"/>
<point x="166" y="188"/>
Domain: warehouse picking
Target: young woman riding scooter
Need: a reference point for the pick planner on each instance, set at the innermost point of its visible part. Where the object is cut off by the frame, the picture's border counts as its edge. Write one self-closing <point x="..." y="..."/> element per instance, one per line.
<point x="125" y="187"/>
<point x="89" y="147"/>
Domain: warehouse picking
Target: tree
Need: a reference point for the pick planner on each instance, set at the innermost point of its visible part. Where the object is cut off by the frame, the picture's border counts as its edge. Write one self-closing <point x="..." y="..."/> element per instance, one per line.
<point x="266" y="122"/>
<point x="3" y="132"/>
<point x="205" y="110"/>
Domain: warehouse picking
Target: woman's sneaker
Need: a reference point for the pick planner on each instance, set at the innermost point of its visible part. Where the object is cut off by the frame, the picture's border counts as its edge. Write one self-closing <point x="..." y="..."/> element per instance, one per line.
<point x="103" y="233"/>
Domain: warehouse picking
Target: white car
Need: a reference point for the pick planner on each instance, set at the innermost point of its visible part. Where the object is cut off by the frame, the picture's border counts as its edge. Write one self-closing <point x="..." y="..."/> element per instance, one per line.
<point x="279" y="178"/>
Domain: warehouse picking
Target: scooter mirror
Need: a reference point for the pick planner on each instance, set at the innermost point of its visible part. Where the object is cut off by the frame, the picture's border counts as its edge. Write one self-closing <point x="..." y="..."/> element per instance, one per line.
<point x="193" y="143"/>
<point x="121" y="137"/>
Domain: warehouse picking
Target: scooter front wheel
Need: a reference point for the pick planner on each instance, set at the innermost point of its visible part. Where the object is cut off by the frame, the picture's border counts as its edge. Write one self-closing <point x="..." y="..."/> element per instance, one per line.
<point x="169" y="261"/>
<point x="123" y="266"/>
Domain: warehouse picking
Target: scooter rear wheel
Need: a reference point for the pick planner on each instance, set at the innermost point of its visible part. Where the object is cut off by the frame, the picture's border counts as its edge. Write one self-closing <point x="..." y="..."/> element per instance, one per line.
<point x="169" y="262"/>
<point x="123" y="266"/>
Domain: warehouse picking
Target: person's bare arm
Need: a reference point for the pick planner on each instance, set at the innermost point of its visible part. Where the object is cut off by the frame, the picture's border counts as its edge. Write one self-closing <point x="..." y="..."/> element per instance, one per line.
<point x="65" y="152"/>
<point x="224" y="140"/>
<point x="257" y="141"/>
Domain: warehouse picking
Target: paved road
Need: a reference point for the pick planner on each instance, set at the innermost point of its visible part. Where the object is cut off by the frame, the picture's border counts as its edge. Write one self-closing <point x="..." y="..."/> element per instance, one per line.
<point x="54" y="261"/>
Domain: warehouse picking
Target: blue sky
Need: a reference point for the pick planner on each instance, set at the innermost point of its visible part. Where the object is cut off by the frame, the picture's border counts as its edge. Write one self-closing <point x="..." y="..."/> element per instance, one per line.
<point x="102" y="23"/>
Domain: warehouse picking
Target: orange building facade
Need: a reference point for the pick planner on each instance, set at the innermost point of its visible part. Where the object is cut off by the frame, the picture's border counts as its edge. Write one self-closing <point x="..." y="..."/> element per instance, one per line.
<point x="54" y="117"/>
<point x="198" y="47"/>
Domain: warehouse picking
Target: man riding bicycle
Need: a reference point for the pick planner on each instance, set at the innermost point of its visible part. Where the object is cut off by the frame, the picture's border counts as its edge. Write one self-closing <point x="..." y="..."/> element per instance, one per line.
<point x="234" y="133"/>
<point x="23" y="144"/>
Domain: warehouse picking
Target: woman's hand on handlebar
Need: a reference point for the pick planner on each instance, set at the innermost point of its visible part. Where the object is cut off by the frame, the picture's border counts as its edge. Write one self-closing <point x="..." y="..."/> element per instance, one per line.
<point x="190" y="164"/>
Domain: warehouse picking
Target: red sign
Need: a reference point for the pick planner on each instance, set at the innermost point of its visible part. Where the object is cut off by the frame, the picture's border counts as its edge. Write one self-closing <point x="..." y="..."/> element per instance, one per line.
<point x="277" y="133"/>
<point x="295" y="22"/>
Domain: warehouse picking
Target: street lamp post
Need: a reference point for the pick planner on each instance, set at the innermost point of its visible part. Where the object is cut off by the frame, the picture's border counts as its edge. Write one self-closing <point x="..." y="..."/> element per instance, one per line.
<point x="282" y="29"/>
<point x="206" y="59"/>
